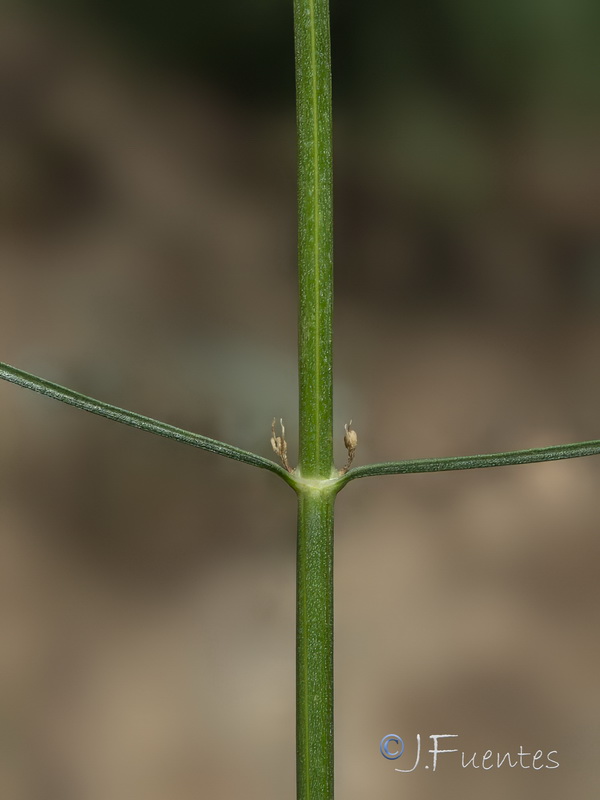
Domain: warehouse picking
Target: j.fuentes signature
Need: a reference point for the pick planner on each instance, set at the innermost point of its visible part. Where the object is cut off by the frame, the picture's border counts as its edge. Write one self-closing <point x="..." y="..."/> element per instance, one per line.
<point x="392" y="747"/>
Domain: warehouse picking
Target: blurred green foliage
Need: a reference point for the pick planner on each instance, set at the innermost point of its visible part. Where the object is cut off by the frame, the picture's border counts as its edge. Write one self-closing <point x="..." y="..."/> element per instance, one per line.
<point x="500" y="51"/>
<point x="465" y="137"/>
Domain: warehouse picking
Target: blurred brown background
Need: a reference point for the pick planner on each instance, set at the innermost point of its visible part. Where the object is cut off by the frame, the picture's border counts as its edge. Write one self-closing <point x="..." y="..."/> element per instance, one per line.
<point x="147" y="205"/>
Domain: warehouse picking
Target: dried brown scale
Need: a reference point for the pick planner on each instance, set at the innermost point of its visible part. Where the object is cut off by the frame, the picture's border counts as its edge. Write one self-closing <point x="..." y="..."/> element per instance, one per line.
<point x="351" y="443"/>
<point x="279" y="444"/>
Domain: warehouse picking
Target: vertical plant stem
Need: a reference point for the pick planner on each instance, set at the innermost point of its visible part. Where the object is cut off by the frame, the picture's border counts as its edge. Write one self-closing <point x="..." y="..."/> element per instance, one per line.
<point x="314" y="632"/>
<point x="315" y="238"/>
<point x="314" y="646"/>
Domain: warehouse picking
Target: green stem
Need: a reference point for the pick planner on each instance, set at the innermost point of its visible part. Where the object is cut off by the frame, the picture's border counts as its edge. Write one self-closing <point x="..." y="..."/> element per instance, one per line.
<point x="134" y="420"/>
<point x="314" y="646"/>
<point x="315" y="237"/>
<point x="512" y="457"/>
<point x="316" y="493"/>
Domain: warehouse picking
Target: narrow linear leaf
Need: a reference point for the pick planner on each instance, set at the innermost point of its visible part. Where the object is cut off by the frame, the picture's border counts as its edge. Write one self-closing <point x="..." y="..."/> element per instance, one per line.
<point x="555" y="453"/>
<point x="72" y="398"/>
